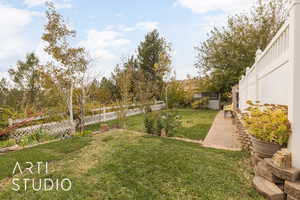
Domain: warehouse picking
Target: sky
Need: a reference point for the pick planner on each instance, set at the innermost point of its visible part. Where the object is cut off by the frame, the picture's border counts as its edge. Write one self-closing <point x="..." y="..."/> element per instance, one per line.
<point x="111" y="30"/>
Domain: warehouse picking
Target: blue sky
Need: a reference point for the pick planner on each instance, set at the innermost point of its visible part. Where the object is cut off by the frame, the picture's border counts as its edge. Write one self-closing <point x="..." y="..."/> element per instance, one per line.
<point x="111" y="30"/>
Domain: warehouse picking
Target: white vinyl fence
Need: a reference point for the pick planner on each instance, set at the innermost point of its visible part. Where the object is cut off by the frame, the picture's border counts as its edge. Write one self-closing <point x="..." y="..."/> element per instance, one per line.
<point x="275" y="76"/>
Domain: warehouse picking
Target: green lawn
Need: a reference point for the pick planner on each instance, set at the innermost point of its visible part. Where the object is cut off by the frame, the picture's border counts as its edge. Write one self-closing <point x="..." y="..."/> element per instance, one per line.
<point x="125" y="165"/>
<point x="195" y="123"/>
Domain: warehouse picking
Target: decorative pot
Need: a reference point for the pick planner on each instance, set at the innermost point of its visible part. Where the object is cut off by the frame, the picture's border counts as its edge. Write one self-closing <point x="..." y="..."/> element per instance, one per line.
<point x="264" y="149"/>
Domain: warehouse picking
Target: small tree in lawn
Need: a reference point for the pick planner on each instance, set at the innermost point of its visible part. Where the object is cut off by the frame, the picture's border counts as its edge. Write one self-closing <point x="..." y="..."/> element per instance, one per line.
<point x="144" y="91"/>
<point x="123" y="82"/>
<point x="69" y="62"/>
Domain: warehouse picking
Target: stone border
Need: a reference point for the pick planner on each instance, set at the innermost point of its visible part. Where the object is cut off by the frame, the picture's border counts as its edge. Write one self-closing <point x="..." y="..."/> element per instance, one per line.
<point x="243" y="136"/>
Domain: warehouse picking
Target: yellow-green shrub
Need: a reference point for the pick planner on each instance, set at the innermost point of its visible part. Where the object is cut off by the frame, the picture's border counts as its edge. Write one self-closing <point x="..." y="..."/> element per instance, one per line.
<point x="268" y="122"/>
<point x="201" y="104"/>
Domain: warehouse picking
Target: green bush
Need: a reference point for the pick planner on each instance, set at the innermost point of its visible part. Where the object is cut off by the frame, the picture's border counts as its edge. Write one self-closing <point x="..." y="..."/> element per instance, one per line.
<point x="177" y="96"/>
<point x="84" y="133"/>
<point x="155" y="123"/>
<point x="268" y="123"/>
<point x="201" y="104"/>
<point x="169" y="121"/>
<point x="150" y="123"/>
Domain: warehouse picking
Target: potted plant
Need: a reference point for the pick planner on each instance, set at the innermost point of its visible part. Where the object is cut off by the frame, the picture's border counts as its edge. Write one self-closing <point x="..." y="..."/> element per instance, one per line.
<point x="268" y="126"/>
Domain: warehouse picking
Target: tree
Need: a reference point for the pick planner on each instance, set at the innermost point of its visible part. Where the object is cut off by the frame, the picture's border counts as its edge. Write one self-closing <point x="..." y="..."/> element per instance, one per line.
<point x="154" y="60"/>
<point x="69" y="62"/>
<point x="27" y="78"/>
<point x="109" y="92"/>
<point x="223" y="58"/>
<point x="124" y="83"/>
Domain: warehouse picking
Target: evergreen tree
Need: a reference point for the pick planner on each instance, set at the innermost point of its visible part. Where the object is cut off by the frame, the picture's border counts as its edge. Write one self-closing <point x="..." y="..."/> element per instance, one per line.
<point x="154" y="60"/>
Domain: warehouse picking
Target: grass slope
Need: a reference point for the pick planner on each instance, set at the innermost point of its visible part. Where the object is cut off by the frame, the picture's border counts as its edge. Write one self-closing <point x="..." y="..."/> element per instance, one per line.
<point x="124" y="165"/>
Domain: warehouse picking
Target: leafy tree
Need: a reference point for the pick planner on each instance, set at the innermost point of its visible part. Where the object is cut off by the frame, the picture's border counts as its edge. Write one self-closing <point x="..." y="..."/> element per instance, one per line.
<point x="69" y="62"/>
<point x="93" y="90"/>
<point x="109" y="92"/>
<point x="176" y="95"/>
<point x="223" y="58"/>
<point x="124" y="83"/>
<point x="27" y="78"/>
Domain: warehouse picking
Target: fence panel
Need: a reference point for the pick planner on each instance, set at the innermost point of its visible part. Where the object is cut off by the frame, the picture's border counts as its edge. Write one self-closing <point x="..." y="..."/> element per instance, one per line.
<point x="275" y="76"/>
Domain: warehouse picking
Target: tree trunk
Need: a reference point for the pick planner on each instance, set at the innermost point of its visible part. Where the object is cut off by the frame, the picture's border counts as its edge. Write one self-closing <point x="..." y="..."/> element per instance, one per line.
<point x="70" y="107"/>
<point x="82" y="113"/>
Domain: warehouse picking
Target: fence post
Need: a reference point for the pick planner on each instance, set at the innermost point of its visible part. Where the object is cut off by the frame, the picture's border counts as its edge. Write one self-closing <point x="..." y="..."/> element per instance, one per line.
<point x="10" y="122"/>
<point x="258" y="55"/>
<point x="104" y="113"/>
<point x="294" y="90"/>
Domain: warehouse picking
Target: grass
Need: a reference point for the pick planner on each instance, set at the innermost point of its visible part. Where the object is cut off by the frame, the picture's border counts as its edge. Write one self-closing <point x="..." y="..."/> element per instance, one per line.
<point x="48" y="152"/>
<point x="125" y="165"/>
<point x="7" y="143"/>
<point x="195" y="123"/>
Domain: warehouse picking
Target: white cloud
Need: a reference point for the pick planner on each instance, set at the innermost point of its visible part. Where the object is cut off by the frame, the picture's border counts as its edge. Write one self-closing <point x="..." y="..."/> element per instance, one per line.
<point x="148" y="26"/>
<point x="142" y="26"/>
<point x="13" y="44"/>
<point x="204" y="6"/>
<point x="101" y="44"/>
<point x="211" y="21"/>
<point x="32" y="3"/>
<point x="58" y="3"/>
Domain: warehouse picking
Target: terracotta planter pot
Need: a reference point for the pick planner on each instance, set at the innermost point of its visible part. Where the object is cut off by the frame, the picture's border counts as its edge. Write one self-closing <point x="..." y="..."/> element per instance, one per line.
<point x="264" y="149"/>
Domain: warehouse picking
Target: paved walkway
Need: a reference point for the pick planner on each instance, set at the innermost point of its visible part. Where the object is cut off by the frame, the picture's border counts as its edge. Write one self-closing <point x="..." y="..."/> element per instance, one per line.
<point x="222" y="134"/>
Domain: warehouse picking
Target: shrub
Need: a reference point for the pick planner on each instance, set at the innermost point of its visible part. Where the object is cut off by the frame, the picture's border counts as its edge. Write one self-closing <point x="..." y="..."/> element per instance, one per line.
<point x="268" y="123"/>
<point x="84" y="133"/>
<point x="36" y="136"/>
<point x="170" y="122"/>
<point x="149" y="123"/>
<point x="201" y="103"/>
<point x="155" y="123"/>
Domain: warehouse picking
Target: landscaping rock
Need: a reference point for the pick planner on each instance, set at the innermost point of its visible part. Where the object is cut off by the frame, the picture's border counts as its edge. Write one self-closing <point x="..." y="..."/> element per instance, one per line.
<point x="163" y="133"/>
<point x="269" y="190"/>
<point x="12" y="148"/>
<point x="283" y="159"/>
<point x="262" y="170"/>
<point x="291" y="174"/>
<point x="292" y="189"/>
<point x="291" y="198"/>
<point x="255" y="159"/>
